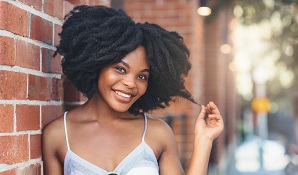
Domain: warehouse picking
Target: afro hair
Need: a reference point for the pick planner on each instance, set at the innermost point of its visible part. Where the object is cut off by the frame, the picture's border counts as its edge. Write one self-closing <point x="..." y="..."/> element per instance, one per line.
<point x="94" y="37"/>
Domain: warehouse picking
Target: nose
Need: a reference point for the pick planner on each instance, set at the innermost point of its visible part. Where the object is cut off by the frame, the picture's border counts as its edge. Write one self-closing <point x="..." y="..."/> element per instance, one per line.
<point x="129" y="82"/>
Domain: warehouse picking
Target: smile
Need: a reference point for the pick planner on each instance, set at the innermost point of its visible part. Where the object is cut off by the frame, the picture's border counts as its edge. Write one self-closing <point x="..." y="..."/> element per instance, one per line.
<point x="123" y="94"/>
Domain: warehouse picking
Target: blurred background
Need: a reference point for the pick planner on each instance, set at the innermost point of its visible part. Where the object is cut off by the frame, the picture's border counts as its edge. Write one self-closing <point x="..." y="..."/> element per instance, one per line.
<point x="244" y="56"/>
<point x="245" y="59"/>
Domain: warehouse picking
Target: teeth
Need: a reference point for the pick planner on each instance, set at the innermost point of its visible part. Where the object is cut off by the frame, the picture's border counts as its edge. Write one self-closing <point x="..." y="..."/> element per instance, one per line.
<point x="122" y="94"/>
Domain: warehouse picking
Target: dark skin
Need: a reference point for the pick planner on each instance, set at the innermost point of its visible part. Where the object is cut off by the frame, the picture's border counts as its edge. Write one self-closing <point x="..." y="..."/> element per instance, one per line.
<point x="113" y="135"/>
<point x="103" y="123"/>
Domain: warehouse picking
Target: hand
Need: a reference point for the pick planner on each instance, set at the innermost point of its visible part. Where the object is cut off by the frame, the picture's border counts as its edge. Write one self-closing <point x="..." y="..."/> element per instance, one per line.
<point x="211" y="126"/>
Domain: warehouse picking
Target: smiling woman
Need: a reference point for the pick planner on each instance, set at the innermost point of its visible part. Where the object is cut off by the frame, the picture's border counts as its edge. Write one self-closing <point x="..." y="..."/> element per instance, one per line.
<point x="121" y="84"/>
<point x="125" y="69"/>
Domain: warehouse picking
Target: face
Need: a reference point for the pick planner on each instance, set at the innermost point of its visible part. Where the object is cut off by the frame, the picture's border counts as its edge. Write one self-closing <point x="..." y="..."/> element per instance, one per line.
<point x="121" y="84"/>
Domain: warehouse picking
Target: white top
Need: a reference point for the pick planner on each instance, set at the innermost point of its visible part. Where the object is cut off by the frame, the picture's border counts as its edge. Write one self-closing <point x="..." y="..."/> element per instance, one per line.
<point x="141" y="160"/>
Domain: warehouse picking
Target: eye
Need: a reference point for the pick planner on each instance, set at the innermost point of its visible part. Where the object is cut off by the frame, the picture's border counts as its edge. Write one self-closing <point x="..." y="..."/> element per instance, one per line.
<point x="120" y="69"/>
<point x="142" y="77"/>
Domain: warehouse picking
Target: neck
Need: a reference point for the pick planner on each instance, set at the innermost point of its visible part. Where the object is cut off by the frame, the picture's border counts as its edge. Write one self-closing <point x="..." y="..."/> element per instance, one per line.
<point x="99" y="110"/>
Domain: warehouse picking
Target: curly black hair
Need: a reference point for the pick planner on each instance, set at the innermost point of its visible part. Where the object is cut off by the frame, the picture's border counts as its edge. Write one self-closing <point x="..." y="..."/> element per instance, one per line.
<point x="94" y="37"/>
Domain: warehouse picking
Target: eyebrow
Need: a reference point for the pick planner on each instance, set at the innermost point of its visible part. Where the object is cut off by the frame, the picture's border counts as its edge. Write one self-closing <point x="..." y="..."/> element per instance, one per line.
<point x="127" y="65"/>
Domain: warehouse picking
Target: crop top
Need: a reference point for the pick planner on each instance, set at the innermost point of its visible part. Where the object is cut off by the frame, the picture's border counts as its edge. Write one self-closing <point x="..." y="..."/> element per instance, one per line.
<point x="141" y="160"/>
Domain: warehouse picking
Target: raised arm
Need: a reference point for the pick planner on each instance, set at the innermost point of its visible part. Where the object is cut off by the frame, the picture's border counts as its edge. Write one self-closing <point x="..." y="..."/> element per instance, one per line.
<point x="206" y="130"/>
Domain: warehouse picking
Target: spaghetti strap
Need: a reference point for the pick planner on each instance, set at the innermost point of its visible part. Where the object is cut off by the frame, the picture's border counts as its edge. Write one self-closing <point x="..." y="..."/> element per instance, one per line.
<point x="65" y="128"/>
<point x="145" y="128"/>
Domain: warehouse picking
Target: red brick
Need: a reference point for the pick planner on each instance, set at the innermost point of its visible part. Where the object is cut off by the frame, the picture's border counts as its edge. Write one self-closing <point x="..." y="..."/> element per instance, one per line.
<point x="39" y="88"/>
<point x="33" y="169"/>
<point x="28" y="117"/>
<point x="136" y="7"/>
<point x="50" y="113"/>
<point x="54" y="8"/>
<point x="51" y="64"/>
<point x="14" y="19"/>
<point x="8" y="172"/>
<point x="141" y="1"/>
<point x="13" y="149"/>
<point x="6" y="51"/>
<point x="41" y="29"/>
<point x="13" y="85"/>
<point x="57" y="30"/>
<point x="49" y="7"/>
<point x="58" y="9"/>
<point x="37" y="4"/>
<point x="6" y="118"/>
<point x="27" y="55"/>
<point x="78" y="2"/>
<point x="68" y="6"/>
<point x="35" y="146"/>
<point x="57" y="89"/>
<point x="96" y="2"/>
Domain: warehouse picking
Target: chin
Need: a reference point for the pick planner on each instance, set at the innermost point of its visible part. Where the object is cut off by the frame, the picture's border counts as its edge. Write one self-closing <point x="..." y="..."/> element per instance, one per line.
<point x="120" y="108"/>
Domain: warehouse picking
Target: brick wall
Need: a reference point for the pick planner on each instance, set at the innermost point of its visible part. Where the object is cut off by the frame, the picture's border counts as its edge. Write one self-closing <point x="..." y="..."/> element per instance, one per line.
<point x="31" y="85"/>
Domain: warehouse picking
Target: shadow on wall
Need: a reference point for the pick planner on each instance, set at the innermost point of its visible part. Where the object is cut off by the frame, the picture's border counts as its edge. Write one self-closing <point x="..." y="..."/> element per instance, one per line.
<point x="72" y="97"/>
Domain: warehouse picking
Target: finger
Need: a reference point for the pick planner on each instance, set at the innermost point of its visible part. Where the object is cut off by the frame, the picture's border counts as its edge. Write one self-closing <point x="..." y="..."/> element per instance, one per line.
<point x="213" y="108"/>
<point x="202" y="112"/>
<point x="215" y="117"/>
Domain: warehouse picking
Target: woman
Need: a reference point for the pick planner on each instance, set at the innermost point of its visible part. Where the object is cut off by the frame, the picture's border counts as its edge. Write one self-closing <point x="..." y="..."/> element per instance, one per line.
<point x="125" y="69"/>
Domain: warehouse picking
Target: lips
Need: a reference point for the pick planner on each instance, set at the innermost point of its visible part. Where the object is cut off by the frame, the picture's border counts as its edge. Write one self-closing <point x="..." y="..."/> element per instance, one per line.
<point x="123" y="97"/>
<point x="122" y="94"/>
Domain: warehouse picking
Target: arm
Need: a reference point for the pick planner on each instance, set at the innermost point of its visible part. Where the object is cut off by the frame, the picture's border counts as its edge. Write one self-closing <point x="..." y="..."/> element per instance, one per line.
<point x="51" y="163"/>
<point x="206" y="130"/>
<point x="169" y="162"/>
<point x="200" y="157"/>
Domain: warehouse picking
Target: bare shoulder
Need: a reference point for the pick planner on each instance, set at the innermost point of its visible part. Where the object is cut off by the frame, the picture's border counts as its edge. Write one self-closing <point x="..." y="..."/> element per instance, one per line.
<point x="158" y="125"/>
<point x="54" y="127"/>
<point x="53" y="134"/>
<point x="52" y="149"/>
<point x="160" y="132"/>
<point x="164" y="146"/>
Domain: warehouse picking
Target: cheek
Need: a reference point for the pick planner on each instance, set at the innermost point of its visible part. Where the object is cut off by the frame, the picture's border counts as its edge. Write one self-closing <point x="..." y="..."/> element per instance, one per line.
<point x="106" y="79"/>
<point x="143" y="88"/>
